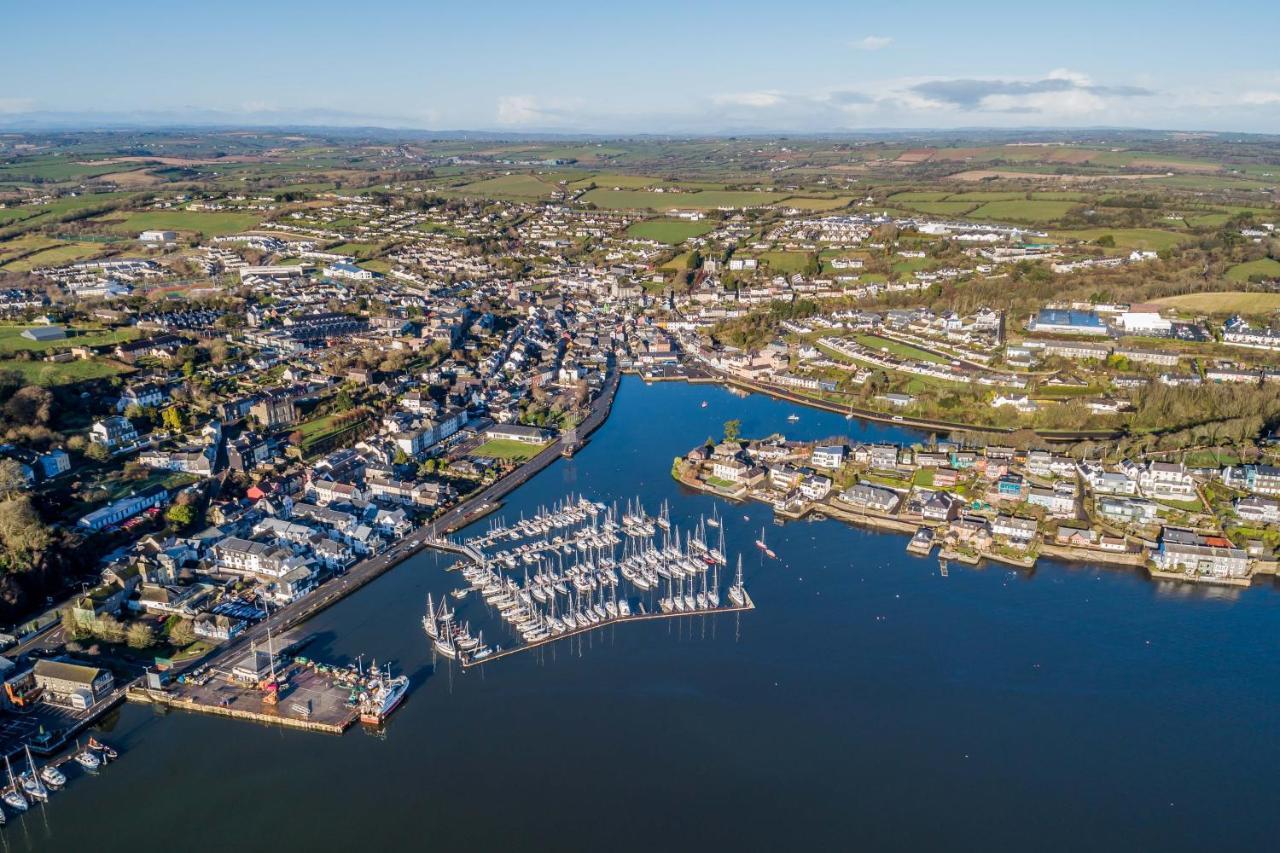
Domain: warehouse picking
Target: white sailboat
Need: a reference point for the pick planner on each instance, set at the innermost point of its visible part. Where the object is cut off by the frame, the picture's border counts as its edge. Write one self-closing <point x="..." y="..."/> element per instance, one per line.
<point x="13" y="798"/>
<point x="738" y="593"/>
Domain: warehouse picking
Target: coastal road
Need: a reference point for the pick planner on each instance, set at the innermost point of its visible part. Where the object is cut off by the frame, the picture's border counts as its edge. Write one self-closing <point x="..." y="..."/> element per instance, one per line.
<point x="367" y="570"/>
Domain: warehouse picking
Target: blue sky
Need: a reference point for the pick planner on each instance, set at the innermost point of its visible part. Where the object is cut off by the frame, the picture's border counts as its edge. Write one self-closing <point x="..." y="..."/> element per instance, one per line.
<point x="654" y="67"/>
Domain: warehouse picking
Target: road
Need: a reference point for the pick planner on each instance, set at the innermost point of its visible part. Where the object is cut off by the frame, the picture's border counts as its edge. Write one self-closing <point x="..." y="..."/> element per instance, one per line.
<point x="366" y="571"/>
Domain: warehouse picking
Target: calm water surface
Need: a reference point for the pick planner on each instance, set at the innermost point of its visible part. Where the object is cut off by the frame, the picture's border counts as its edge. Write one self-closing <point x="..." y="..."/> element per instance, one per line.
<point x="868" y="703"/>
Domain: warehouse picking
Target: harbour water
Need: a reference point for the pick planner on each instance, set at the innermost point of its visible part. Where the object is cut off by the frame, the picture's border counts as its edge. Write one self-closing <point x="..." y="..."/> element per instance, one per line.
<point x="867" y="703"/>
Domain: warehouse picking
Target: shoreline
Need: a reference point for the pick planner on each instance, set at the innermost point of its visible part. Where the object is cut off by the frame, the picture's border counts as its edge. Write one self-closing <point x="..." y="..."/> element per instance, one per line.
<point x="881" y="523"/>
<point x="800" y="399"/>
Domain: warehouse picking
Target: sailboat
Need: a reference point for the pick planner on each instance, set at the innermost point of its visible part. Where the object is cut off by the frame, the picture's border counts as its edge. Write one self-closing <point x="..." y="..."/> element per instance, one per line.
<point x="13" y="797"/>
<point x="760" y="543"/>
<point x="738" y="593"/>
<point x="429" y="620"/>
<point x="31" y="782"/>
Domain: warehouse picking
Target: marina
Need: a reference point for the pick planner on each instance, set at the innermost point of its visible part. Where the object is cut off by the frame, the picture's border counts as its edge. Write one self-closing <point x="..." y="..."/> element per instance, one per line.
<point x="583" y="565"/>
<point x="897" y="705"/>
<point x="33" y="784"/>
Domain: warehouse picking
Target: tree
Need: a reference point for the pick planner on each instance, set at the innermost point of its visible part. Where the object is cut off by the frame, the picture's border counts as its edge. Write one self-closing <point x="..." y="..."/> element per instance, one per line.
<point x="23" y="535"/>
<point x="732" y="429"/>
<point x="171" y="418"/>
<point x="97" y="451"/>
<point x="180" y="515"/>
<point x="140" y="635"/>
<point x="183" y="633"/>
<point x="13" y="479"/>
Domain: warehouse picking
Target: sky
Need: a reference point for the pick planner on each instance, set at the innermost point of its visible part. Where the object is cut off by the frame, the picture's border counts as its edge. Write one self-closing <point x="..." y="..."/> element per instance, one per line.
<point x="693" y="67"/>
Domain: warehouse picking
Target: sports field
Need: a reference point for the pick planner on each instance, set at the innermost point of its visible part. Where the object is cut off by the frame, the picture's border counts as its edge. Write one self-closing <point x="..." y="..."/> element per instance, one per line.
<point x="215" y="224"/>
<point x="670" y="231"/>
<point x="1224" y="302"/>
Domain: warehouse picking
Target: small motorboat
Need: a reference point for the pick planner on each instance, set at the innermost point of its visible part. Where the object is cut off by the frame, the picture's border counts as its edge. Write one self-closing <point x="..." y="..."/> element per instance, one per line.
<point x="88" y="759"/>
<point x="52" y="776"/>
<point x="108" y="754"/>
<point x="704" y="404"/>
<point x="793" y="417"/>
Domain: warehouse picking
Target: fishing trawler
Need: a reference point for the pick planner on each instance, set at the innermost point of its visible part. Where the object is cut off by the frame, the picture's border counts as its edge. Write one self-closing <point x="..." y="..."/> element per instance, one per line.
<point x="384" y="696"/>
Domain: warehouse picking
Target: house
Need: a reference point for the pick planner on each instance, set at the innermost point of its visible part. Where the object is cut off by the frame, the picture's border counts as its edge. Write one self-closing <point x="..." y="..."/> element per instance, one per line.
<point x="874" y="498"/>
<point x="815" y="487"/>
<point x="829" y="456"/>
<point x="71" y="684"/>
<point x="1167" y="481"/>
<point x="1018" y="531"/>
<point x="1211" y="560"/>
<point x="113" y="432"/>
<point x="274" y="410"/>
<point x="940" y="506"/>
<point x="1055" y="501"/>
<point x="729" y="470"/>
<point x="1258" y="510"/>
<point x="1126" y="510"/>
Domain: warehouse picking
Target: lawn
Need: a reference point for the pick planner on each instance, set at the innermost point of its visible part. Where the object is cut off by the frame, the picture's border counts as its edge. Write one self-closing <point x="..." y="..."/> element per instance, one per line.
<point x="11" y="339"/>
<point x="1224" y="302"/>
<point x="61" y="253"/>
<point x="783" y="262"/>
<point x="901" y="350"/>
<point x="819" y="204"/>
<point x="1021" y="210"/>
<point x="704" y="200"/>
<point x="512" y="186"/>
<point x="1145" y="239"/>
<point x="503" y="448"/>
<point x="216" y="224"/>
<point x="622" y="182"/>
<point x="670" y="231"/>
<point x="1263" y="268"/>
<point x="64" y="372"/>
<point x="942" y="208"/>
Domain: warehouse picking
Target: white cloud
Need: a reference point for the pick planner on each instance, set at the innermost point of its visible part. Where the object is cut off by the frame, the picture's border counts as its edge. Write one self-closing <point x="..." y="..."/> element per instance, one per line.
<point x="526" y="110"/>
<point x="16" y="105"/>
<point x="759" y="100"/>
<point x="1260" y="99"/>
<point x="873" y="43"/>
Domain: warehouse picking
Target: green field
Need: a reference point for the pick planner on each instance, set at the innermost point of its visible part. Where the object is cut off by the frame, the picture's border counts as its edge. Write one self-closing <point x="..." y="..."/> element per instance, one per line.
<point x="61" y="373"/>
<point x="901" y="350"/>
<point x="511" y="186"/>
<point x="61" y="253"/>
<point x="1146" y="239"/>
<point x="1228" y="302"/>
<point x="704" y="200"/>
<point x="215" y="224"/>
<point x="11" y="339"/>
<point x="818" y="204"/>
<point x="1021" y="210"/>
<point x="670" y="231"/>
<point x="504" y="448"/>
<point x="942" y="208"/>
<point x="1263" y="267"/>
<point x="609" y="180"/>
<point x="783" y="262"/>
